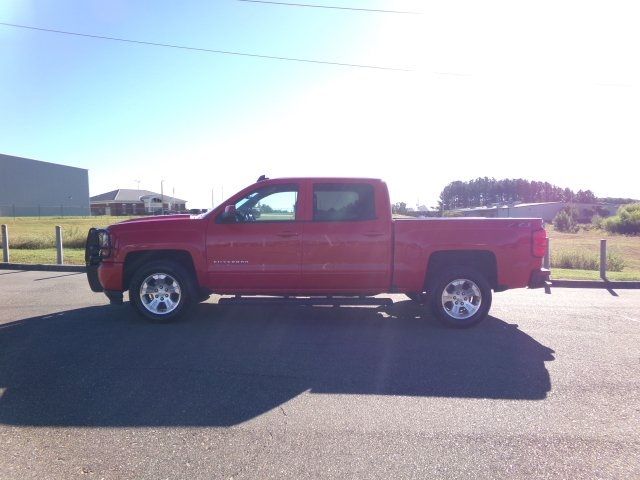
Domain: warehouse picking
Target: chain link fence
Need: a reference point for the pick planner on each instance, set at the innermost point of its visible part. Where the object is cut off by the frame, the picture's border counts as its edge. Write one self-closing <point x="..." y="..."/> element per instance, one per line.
<point x="17" y="210"/>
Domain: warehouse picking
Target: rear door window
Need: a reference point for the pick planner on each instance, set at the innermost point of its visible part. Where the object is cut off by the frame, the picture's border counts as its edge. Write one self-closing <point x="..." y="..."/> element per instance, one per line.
<point x="343" y="202"/>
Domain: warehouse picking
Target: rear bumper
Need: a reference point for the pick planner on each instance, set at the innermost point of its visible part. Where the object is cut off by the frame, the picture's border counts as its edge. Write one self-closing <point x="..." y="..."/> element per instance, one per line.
<point x="539" y="278"/>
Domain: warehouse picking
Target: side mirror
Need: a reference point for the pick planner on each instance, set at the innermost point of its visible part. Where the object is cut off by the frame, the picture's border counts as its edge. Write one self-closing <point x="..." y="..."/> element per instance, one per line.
<point x="229" y="215"/>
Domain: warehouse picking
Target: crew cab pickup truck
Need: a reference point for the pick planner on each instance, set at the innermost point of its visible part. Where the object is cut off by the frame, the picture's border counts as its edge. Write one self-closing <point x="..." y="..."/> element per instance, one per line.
<point x="315" y="237"/>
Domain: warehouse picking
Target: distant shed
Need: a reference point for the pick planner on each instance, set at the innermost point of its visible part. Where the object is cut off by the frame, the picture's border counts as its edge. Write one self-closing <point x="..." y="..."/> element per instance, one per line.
<point x="545" y="210"/>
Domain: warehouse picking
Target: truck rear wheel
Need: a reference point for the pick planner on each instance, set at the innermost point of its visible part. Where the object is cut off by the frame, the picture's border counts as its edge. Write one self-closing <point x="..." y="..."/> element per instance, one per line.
<point x="461" y="297"/>
<point x="161" y="291"/>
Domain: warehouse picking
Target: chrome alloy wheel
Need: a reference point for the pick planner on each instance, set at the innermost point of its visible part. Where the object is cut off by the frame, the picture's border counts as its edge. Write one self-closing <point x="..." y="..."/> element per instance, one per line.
<point x="461" y="298"/>
<point x="160" y="293"/>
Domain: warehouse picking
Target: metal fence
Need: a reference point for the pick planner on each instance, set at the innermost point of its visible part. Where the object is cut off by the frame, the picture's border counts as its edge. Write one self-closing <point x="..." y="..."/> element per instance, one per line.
<point x="17" y="210"/>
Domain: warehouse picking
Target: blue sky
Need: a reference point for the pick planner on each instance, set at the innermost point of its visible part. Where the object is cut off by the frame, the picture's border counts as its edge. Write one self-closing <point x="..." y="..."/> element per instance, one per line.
<point x="496" y="90"/>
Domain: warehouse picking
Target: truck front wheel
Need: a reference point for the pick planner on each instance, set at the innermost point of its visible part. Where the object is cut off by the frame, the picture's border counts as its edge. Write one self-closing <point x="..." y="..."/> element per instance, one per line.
<point x="161" y="291"/>
<point x="461" y="297"/>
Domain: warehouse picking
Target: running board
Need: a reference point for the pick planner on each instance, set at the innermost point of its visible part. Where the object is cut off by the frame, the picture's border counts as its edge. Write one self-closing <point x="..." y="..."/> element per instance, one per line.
<point x="332" y="301"/>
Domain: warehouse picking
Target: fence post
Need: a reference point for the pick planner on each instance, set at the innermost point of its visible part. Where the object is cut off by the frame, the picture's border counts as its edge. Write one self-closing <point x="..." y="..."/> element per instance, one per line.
<point x="59" y="252"/>
<point x="603" y="259"/>
<point x="13" y="209"/>
<point x="5" y="244"/>
<point x="546" y="263"/>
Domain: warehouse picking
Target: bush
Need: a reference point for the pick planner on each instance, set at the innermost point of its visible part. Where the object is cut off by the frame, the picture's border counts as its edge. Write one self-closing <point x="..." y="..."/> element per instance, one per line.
<point x="566" y="220"/>
<point x="73" y="237"/>
<point x="597" y="222"/>
<point x="452" y="214"/>
<point x="585" y="261"/>
<point x="627" y="220"/>
<point x="35" y="242"/>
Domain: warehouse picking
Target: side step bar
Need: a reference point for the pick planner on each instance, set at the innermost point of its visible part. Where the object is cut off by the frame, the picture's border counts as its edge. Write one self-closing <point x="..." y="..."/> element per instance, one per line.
<point x="332" y="301"/>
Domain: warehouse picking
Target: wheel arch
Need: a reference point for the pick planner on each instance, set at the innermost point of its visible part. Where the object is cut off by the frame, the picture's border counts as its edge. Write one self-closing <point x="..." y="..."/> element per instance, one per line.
<point x="134" y="260"/>
<point x="484" y="261"/>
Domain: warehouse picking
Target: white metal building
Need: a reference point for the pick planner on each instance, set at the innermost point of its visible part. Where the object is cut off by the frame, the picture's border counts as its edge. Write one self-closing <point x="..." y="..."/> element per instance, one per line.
<point x="31" y="187"/>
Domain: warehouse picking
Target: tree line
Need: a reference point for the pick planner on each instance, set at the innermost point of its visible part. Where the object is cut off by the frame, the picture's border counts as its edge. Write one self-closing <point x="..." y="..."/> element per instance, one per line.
<point x="489" y="191"/>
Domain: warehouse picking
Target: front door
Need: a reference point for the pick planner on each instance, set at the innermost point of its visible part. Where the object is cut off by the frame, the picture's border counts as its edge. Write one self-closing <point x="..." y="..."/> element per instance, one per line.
<point x="259" y="251"/>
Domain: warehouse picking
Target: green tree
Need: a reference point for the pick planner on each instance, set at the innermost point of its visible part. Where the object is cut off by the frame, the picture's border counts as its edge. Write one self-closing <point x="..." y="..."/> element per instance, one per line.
<point x="264" y="208"/>
<point x="566" y="220"/>
<point x="400" y="208"/>
<point x="627" y="220"/>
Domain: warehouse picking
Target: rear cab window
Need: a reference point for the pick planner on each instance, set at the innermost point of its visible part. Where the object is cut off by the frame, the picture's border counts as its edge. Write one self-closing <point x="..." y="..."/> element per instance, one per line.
<point x="335" y="202"/>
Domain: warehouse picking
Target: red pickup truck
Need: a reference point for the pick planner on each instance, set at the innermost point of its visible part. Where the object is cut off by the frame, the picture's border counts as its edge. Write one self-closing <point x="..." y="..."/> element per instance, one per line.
<point x="315" y="237"/>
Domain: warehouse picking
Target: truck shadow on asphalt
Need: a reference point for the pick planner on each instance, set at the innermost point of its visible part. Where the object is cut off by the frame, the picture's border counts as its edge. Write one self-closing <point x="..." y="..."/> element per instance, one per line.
<point x="104" y="366"/>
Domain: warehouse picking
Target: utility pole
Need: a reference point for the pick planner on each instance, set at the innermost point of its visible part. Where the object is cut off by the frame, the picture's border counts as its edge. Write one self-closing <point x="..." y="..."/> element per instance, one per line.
<point x="162" y="195"/>
<point x="212" y="201"/>
<point x="137" y="182"/>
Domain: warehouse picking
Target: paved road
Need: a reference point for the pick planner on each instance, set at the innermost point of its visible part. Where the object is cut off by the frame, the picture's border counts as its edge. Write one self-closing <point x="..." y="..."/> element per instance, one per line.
<point x="548" y="387"/>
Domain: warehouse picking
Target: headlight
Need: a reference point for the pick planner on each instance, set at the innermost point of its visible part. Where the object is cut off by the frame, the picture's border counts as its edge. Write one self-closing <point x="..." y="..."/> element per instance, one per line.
<point x="104" y="243"/>
<point x="104" y="240"/>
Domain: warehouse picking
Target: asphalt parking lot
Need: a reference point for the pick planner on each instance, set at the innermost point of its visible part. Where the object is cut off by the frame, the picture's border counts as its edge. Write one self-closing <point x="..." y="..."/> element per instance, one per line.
<point x="547" y="387"/>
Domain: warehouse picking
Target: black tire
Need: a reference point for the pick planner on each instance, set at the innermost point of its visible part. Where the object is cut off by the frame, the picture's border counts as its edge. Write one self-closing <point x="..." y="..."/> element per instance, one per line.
<point x="420" y="298"/>
<point x="476" y="295"/>
<point x="168" y="274"/>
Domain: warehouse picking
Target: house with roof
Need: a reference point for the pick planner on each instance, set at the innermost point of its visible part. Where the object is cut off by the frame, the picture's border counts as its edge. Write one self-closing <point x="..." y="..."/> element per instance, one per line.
<point x="126" y="201"/>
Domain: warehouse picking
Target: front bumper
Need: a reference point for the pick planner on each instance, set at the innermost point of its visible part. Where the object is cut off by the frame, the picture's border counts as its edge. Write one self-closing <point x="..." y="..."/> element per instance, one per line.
<point x="103" y="275"/>
<point x="92" y="259"/>
<point x="110" y="276"/>
<point x="539" y="278"/>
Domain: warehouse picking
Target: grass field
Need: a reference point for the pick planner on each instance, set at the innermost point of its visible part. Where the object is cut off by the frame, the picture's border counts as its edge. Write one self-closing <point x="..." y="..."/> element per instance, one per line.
<point x="72" y="256"/>
<point x="588" y="241"/>
<point x="32" y="240"/>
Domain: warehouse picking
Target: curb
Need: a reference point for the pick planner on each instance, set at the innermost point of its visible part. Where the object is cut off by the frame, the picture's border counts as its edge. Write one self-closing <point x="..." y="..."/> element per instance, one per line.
<point x="593" y="284"/>
<point x="43" y="267"/>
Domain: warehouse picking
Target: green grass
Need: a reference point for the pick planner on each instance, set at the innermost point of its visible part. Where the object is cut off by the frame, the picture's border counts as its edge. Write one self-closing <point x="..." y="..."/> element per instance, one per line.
<point x="623" y="248"/>
<point x="572" y="274"/>
<point x="72" y="256"/>
<point x="580" y="260"/>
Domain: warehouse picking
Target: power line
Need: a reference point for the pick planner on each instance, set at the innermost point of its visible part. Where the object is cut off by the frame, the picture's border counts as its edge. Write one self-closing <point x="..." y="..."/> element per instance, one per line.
<point x="312" y="5"/>
<point x="208" y="50"/>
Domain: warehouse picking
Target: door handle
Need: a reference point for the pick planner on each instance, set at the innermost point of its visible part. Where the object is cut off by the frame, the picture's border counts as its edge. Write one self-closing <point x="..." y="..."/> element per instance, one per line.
<point x="287" y="234"/>
<point x="373" y="234"/>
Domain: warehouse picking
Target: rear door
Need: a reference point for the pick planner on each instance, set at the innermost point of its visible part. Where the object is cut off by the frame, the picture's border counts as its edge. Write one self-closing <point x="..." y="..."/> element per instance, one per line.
<point x="262" y="249"/>
<point x="347" y="242"/>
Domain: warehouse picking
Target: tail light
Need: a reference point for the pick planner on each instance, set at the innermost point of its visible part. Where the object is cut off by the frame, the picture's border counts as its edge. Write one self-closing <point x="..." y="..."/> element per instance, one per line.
<point x="539" y="243"/>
